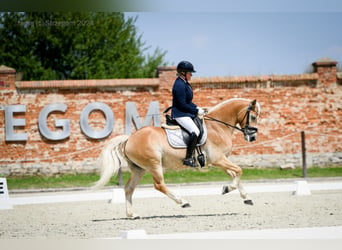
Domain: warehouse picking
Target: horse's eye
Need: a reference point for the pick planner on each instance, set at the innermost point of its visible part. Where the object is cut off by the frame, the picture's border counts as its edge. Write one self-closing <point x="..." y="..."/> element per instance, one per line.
<point x="253" y="118"/>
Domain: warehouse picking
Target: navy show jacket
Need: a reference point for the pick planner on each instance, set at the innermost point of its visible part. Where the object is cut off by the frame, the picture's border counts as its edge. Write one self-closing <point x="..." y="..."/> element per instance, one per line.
<point x="182" y="96"/>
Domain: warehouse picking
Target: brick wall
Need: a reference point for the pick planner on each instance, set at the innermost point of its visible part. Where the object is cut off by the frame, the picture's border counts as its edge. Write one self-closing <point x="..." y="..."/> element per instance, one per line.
<point x="290" y="104"/>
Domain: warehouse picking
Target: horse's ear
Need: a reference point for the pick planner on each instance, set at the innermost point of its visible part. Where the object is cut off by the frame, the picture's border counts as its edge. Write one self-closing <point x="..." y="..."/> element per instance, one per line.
<point x="254" y="102"/>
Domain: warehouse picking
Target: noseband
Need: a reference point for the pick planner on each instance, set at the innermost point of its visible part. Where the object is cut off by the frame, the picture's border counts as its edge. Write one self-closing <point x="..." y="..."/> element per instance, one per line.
<point x="247" y="130"/>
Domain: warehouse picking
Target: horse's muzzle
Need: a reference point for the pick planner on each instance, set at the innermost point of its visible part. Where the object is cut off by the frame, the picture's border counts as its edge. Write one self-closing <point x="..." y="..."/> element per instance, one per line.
<point x="251" y="138"/>
<point x="250" y="133"/>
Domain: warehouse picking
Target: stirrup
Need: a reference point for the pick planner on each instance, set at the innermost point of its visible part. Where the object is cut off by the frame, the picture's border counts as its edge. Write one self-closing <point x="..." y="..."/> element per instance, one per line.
<point x="189" y="162"/>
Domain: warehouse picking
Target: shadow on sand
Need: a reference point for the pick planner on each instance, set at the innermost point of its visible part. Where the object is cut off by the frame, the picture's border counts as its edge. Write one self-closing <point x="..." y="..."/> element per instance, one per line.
<point x="168" y="217"/>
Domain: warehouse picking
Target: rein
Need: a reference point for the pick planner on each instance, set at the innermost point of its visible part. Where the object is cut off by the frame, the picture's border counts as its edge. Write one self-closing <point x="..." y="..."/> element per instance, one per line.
<point x="246" y="130"/>
<point x="226" y="124"/>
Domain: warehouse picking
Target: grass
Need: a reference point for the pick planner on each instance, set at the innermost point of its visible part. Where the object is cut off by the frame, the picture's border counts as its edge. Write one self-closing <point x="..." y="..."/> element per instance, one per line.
<point x="171" y="176"/>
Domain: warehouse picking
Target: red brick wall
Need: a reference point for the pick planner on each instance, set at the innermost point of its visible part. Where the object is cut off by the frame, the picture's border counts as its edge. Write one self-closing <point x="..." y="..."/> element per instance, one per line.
<point x="290" y="104"/>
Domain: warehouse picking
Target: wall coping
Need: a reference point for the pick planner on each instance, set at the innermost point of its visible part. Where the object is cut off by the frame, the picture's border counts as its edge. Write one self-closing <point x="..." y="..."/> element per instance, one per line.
<point x="95" y="83"/>
<point x="261" y="78"/>
<point x="5" y="70"/>
<point x="167" y="68"/>
<point x="325" y="62"/>
<point x="155" y="82"/>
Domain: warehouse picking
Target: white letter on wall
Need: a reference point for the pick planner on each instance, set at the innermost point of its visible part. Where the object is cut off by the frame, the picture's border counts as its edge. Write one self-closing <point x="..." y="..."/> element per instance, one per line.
<point x="10" y="123"/>
<point x="132" y="115"/>
<point x="63" y="123"/>
<point x="87" y="130"/>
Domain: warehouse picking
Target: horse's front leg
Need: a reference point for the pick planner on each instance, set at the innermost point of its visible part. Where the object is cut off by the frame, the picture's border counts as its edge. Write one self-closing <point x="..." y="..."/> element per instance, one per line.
<point x="235" y="172"/>
<point x="236" y="183"/>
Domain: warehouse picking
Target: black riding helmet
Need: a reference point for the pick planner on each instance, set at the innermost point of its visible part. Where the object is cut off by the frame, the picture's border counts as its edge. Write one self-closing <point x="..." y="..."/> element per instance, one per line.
<point x="185" y="66"/>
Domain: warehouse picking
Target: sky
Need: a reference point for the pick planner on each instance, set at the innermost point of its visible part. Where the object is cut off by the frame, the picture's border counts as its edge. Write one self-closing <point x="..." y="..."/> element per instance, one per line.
<point x="226" y="37"/>
<point x="234" y="43"/>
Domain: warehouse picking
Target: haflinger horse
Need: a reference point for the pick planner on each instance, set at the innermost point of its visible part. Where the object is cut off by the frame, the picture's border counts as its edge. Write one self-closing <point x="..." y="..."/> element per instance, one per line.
<point x="148" y="150"/>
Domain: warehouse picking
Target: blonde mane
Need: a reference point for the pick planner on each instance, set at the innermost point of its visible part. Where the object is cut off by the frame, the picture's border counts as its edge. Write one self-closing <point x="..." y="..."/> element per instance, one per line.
<point x="227" y="101"/>
<point x="218" y="106"/>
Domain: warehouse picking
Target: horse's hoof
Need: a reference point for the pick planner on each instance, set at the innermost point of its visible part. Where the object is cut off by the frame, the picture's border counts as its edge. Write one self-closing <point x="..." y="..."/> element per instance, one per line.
<point x="248" y="202"/>
<point x="225" y="190"/>
<point x="186" y="205"/>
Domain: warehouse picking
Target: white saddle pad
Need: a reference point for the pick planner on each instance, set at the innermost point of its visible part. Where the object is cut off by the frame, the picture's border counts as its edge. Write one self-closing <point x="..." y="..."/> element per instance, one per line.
<point x="175" y="137"/>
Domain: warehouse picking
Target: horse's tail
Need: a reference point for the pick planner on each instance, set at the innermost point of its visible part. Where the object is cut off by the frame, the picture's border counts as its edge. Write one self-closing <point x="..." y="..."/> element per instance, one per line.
<point x="111" y="159"/>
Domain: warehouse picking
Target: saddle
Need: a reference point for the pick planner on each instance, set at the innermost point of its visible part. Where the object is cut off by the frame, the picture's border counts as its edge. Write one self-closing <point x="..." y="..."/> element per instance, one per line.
<point x="178" y="137"/>
<point x="173" y="128"/>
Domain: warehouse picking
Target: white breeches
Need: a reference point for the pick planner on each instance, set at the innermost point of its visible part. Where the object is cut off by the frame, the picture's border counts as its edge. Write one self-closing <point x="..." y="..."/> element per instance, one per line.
<point x="188" y="124"/>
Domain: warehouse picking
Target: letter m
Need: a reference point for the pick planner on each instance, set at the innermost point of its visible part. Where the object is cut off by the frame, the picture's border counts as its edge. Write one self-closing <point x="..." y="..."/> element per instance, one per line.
<point x="132" y="116"/>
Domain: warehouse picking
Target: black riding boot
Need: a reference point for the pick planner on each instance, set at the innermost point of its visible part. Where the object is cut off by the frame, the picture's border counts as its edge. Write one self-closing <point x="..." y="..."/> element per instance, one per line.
<point x="189" y="159"/>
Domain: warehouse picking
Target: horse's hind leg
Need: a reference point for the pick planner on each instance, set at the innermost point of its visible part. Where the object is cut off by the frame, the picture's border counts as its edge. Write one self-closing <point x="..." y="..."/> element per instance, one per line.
<point x="159" y="184"/>
<point x="136" y="175"/>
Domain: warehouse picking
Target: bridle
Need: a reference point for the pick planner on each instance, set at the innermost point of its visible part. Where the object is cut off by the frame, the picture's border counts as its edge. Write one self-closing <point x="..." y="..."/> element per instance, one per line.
<point x="247" y="130"/>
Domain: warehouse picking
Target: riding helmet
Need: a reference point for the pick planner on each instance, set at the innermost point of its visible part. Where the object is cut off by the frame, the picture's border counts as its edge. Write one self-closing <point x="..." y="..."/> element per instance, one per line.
<point x="185" y="66"/>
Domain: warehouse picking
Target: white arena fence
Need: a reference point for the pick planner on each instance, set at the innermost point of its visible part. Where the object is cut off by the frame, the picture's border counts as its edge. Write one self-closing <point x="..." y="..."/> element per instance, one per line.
<point x="312" y="233"/>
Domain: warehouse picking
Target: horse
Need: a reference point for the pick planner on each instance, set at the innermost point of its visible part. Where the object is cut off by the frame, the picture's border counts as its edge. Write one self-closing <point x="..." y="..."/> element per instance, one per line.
<point x="148" y="150"/>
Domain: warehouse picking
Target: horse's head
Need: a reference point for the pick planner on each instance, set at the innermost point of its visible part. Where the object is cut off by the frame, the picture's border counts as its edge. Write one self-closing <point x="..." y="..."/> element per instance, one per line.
<point x="248" y="119"/>
<point x="239" y="111"/>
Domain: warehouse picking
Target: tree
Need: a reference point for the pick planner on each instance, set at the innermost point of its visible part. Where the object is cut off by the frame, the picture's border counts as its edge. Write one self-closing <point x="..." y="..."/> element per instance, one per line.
<point x="46" y="46"/>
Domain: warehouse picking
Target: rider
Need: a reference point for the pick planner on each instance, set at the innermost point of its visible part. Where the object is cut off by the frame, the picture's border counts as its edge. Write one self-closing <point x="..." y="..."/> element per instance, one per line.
<point x="184" y="110"/>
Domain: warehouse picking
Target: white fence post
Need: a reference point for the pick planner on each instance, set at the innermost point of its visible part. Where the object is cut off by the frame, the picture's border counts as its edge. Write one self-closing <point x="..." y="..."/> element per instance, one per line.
<point x="118" y="196"/>
<point x="133" y="234"/>
<point x="302" y="188"/>
<point x="5" y="202"/>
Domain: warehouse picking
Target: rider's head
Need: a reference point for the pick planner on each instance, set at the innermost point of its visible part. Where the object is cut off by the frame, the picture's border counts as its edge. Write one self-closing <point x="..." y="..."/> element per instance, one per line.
<point x="185" y="69"/>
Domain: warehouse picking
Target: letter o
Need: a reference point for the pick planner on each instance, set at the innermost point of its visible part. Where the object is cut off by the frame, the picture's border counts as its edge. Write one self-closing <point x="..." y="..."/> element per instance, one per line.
<point x="87" y="130"/>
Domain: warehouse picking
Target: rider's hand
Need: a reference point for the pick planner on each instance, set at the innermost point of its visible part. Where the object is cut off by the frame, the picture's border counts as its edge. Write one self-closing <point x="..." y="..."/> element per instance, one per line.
<point x="200" y="112"/>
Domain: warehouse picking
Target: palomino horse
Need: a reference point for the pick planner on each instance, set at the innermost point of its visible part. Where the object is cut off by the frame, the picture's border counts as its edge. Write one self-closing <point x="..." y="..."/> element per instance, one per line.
<point x="148" y="150"/>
